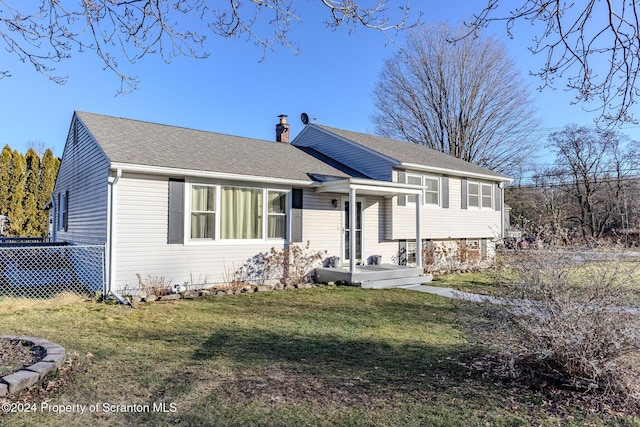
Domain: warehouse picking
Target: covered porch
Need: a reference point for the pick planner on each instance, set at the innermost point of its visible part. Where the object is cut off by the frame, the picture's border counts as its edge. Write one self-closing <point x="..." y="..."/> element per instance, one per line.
<point x="354" y="269"/>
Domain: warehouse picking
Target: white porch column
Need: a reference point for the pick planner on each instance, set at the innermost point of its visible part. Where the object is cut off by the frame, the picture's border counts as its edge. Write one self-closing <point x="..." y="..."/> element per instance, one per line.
<point x="352" y="226"/>
<point x="418" y="232"/>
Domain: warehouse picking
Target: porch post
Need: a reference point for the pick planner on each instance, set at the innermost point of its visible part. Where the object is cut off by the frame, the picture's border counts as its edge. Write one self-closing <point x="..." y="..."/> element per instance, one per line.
<point x="418" y="232"/>
<point x="352" y="226"/>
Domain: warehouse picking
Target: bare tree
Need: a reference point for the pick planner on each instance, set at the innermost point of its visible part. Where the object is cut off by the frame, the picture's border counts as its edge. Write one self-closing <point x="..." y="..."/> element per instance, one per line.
<point x="466" y="98"/>
<point x="594" y="45"/>
<point x="595" y="168"/>
<point x="46" y="32"/>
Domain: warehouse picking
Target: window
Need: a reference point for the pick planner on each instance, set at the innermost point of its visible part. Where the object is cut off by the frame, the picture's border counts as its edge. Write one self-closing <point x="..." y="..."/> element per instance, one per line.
<point x="431" y="189"/>
<point x="237" y="213"/>
<point x="480" y="195"/>
<point x="203" y="212"/>
<point x="487" y="196"/>
<point x="241" y="213"/>
<point x="276" y="214"/>
<point x="63" y="209"/>
<point x="474" y="195"/>
<point x="414" y="180"/>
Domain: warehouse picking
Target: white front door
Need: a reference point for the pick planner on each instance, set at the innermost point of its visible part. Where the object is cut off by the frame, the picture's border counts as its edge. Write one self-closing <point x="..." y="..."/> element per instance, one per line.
<point x="347" y="229"/>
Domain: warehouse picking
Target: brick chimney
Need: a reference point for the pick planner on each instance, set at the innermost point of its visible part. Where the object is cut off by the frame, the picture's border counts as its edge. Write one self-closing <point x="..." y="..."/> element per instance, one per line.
<point x="282" y="129"/>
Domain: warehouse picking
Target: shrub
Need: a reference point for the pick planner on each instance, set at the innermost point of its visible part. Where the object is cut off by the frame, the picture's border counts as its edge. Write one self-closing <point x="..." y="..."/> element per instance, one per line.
<point x="291" y="265"/>
<point x="154" y="285"/>
<point x="568" y="320"/>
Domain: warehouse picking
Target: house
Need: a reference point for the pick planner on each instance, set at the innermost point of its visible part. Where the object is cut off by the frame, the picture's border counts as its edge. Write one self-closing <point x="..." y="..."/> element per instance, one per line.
<point x="191" y="206"/>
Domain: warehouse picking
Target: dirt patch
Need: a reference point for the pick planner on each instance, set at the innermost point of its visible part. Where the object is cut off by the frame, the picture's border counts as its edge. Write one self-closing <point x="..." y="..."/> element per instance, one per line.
<point x="17" y="354"/>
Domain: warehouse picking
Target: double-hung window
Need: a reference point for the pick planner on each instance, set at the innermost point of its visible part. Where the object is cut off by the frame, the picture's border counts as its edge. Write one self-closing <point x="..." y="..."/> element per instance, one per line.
<point x="480" y="195"/>
<point x="237" y="213"/>
<point x="276" y="214"/>
<point x="414" y="180"/>
<point x="203" y="212"/>
<point x="430" y="189"/>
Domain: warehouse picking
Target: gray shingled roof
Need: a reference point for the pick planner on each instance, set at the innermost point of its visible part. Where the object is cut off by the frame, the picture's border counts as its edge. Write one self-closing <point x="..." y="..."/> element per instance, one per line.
<point x="142" y="143"/>
<point x="405" y="152"/>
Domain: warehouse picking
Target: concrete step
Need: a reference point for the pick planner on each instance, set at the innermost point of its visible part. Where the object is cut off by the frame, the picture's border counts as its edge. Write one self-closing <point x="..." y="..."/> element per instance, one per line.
<point x="394" y="283"/>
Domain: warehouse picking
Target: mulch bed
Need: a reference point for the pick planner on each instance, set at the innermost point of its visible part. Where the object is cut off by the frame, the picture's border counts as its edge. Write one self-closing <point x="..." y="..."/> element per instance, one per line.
<point x="17" y="354"/>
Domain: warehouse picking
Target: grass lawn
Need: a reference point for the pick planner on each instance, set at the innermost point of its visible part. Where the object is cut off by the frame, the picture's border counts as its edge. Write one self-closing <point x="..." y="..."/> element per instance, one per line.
<point x="478" y="282"/>
<point x="321" y="357"/>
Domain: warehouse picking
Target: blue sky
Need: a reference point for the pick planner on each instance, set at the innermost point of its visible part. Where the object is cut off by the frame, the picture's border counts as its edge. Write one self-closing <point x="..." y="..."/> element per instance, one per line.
<point x="233" y="92"/>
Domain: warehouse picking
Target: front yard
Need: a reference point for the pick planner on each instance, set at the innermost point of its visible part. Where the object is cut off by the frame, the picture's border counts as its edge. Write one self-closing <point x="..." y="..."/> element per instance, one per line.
<point x="321" y="357"/>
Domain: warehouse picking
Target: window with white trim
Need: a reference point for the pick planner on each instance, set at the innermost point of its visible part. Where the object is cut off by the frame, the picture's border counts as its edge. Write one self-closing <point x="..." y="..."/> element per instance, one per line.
<point x="236" y="213"/>
<point x="276" y="214"/>
<point x="241" y="213"/>
<point x="431" y="189"/>
<point x="203" y="212"/>
<point x="487" y="196"/>
<point x="413" y="180"/>
<point x="480" y="195"/>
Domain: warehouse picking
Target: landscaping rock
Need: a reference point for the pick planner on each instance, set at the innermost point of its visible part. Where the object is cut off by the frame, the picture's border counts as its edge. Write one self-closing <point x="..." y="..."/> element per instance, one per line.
<point x="191" y="294"/>
<point x="42" y="368"/>
<point x="4" y="389"/>
<point x="169" y="297"/>
<point x="21" y="379"/>
<point x="265" y="288"/>
<point x="56" y="357"/>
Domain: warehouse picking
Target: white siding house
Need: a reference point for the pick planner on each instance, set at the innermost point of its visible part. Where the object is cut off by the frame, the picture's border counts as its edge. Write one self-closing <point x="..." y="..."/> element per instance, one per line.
<point x="193" y="206"/>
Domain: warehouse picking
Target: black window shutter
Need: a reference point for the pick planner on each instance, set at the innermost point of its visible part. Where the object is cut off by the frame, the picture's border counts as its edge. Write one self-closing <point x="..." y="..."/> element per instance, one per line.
<point x="175" y="233"/>
<point x="463" y="200"/>
<point x="296" y="215"/>
<point x="402" y="178"/>
<point x="445" y="192"/>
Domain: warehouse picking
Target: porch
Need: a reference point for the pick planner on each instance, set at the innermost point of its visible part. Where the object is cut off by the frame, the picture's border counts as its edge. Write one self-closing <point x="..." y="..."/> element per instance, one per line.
<point x="373" y="276"/>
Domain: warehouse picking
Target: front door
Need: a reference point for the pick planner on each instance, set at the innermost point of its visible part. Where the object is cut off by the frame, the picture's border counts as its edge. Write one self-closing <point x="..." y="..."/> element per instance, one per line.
<point x="347" y="229"/>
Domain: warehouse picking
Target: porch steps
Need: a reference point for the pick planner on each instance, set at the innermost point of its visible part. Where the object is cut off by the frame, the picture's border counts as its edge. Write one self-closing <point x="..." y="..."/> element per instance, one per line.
<point x="374" y="276"/>
<point x="395" y="282"/>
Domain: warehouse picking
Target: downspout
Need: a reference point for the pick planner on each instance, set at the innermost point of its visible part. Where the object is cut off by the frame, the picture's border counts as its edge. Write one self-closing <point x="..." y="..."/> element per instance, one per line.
<point x="502" y="225"/>
<point x="110" y="224"/>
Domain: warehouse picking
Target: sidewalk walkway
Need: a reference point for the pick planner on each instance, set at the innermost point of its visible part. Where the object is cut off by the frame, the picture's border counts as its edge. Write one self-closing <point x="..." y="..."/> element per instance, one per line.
<point x="452" y="293"/>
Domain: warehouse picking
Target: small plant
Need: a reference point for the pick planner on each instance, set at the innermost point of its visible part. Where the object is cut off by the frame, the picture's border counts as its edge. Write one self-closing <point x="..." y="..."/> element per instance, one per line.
<point x="291" y="265"/>
<point x="154" y="285"/>
<point x="294" y="264"/>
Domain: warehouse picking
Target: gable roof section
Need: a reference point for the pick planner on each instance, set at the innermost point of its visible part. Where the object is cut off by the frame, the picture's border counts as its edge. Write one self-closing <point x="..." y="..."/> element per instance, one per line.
<point x="139" y="143"/>
<point x="410" y="155"/>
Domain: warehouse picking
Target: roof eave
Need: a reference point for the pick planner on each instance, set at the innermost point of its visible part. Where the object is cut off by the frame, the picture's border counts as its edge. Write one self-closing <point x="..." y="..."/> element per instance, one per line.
<point x="166" y="171"/>
<point x="454" y="172"/>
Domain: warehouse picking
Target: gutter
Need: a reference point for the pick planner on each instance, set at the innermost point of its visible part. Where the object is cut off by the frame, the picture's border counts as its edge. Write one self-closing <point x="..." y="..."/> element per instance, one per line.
<point x="157" y="170"/>
<point x="453" y="172"/>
